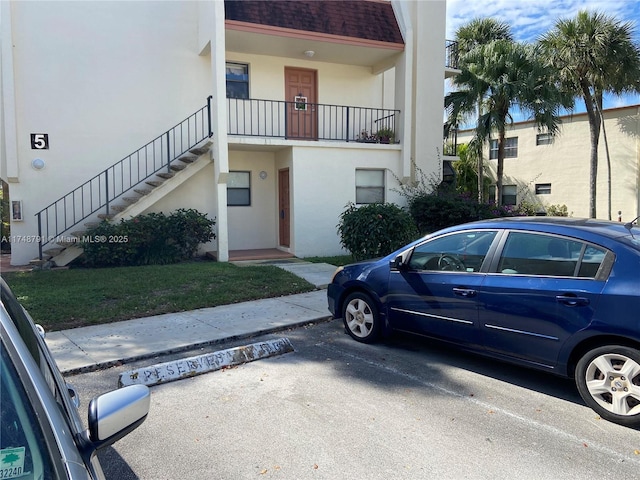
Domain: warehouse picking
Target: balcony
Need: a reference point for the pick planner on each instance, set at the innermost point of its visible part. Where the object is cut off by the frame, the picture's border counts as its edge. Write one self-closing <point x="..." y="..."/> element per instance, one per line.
<point x="450" y="144"/>
<point x="451" y="61"/>
<point x="311" y="121"/>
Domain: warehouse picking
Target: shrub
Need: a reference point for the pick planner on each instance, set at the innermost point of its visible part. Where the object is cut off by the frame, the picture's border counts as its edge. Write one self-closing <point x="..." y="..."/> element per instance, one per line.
<point x="558" y="210"/>
<point x="150" y="239"/>
<point x="375" y="230"/>
<point x="433" y="212"/>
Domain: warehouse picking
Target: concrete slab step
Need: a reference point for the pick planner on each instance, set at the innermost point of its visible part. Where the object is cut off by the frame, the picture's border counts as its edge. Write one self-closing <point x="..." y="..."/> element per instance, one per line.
<point x="202" y="149"/>
<point x="52" y="252"/>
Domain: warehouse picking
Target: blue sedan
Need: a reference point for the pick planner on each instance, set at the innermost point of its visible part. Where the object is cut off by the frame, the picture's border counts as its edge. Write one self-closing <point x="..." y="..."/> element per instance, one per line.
<point x="552" y="293"/>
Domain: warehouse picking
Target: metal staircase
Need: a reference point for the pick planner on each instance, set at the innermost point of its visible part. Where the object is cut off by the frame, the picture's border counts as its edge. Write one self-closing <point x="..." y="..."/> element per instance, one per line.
<point x="126" y="188"/>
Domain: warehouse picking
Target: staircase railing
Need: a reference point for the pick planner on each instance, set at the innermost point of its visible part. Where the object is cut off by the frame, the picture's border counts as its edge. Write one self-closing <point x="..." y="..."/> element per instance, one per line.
<point x="121" y="177"/>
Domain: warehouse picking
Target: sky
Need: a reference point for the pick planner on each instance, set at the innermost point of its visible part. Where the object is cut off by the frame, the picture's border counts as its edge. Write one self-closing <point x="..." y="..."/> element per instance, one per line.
<point x="530" y="19"/>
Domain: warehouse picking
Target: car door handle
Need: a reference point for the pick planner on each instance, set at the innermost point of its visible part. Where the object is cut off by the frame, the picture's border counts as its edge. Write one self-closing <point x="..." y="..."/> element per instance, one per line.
<point x="572" y="300"/>
<point x="464" y="292"/>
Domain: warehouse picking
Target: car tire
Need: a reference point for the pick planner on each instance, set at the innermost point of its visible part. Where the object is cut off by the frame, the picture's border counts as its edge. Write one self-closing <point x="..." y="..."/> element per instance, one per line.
<point x="361" y="317"/>
<point x="608" y="379"/>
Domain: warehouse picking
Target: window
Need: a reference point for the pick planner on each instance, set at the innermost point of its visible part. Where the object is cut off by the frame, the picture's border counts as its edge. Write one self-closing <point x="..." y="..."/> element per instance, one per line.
<point x="237" y="80"/>
<point x="369" y="186"/>
<point x="509" y="194"/>
<point x="23" y="445"/>
<point x="462" y="252"/>
<point x="543" y="188"/>
<point x="547" y="255"/>
<point x="239" y="189"/>
<point x="510" y="148"/>
<point x="544" y="139"/>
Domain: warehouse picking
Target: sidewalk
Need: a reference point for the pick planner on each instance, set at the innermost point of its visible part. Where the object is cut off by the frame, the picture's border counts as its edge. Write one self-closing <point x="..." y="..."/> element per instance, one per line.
<point x="88" y="348"/>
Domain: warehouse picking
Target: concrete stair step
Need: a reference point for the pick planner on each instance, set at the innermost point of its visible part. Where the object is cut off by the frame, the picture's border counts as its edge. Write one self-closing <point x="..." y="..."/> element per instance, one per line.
<point x="187" y="159"/>
<point x="106" y="216"/>
<point x="177" y="168"/>
<point x="130" y="200"/>
<point x="37" y="262"/>
<point x="77" y="234"/>
<point x="68" y="243"/>
<point x="52" y="252"/>
<point x="154" y="183"/>
<point x="202" y="149"/>
<point x="165" y="175"/>
<point x="119" y="208"/>
<point x="142" y="191"/>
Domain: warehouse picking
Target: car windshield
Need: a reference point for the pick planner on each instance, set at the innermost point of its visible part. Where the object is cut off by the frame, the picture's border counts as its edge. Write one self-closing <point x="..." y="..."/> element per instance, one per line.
<point x="23" y="449"/>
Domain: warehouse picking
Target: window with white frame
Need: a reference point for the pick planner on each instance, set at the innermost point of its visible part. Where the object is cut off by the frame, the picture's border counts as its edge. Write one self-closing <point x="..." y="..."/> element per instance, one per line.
<point x="509" y="194"/>
<point x="510" y="148"/>
<point x="369" y="186"/>
<point x="239" y="189"/>
<point x="543" y="188"/>
<point x="237" y="75"/>
<point x="544" y="139"/>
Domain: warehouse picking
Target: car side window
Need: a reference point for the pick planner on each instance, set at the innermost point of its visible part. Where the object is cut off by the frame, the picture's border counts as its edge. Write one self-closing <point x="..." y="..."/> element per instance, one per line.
<point x="549" y="255"/>
<point x="23" y="448"/>
<point x="462" y="251"/>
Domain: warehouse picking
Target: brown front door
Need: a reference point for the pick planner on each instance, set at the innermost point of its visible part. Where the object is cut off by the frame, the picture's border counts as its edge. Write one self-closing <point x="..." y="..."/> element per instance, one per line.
<point x="284" y="223"/>
<point x="300" y="95"/>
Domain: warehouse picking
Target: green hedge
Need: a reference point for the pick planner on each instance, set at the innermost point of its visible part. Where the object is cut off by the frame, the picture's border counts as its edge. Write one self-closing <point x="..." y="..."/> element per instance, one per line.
<point x="150" y="239"/>
<point x="375" y="230"/>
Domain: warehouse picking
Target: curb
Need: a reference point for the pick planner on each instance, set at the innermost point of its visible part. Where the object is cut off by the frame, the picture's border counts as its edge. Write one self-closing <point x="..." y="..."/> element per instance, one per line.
<point x="186" y="348"/>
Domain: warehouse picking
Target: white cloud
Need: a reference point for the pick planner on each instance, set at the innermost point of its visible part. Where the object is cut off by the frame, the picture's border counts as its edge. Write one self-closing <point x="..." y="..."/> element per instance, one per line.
<point x="530" y="19"/>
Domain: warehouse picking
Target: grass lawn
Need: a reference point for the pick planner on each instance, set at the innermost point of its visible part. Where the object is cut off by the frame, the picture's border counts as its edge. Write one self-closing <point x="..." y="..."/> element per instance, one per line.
<point x="61" y="299"/>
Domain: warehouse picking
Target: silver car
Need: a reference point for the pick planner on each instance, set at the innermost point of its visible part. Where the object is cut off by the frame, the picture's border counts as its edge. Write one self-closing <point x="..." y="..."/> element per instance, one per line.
<point x="41" y="433"/>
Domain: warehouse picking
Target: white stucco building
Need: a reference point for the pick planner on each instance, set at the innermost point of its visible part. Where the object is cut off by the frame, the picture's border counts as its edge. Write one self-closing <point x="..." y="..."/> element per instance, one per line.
<point x="555" y="171"/>
<point x="98" y="98"/>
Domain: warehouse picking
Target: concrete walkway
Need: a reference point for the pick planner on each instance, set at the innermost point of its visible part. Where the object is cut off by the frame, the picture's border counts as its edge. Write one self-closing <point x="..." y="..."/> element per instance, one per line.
<point x="88" y="348"/>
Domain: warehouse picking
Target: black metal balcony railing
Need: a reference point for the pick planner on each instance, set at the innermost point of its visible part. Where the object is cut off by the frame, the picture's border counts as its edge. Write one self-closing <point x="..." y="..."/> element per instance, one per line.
<point x="311" y="121"/>
<point x="450" y="145"/>
<point x="451" y="54"/>
<point x="98" y="192"/>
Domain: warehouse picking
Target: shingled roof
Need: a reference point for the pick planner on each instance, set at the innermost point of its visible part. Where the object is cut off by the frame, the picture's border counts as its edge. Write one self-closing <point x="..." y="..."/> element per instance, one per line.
<point x="363" y="19"/>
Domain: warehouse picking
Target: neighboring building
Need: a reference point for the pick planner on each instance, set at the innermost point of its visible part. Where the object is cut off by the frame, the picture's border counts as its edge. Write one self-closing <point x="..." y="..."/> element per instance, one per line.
<point x="555" y="171"/>
<point x="284" y="88"/>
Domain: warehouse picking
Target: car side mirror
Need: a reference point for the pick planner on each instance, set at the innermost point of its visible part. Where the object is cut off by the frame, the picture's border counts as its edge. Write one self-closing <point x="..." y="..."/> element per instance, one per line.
<point x="115" y="414"/>
<point x="398" y="263"/>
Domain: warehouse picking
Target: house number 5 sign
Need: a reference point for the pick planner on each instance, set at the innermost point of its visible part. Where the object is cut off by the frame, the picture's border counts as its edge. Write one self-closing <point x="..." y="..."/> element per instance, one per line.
<point x="40" y="141"/>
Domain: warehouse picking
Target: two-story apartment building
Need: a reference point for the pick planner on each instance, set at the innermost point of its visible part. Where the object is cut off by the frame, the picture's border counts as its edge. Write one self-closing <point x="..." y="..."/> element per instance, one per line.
<point x="555" y="171"/>
<point x="263" y="115"/>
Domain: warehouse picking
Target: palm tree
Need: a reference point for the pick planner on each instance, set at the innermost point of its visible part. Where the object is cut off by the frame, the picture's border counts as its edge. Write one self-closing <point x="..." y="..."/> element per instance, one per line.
<point x="594" y="54"/>
<point x="505" y="75"/>
<point x="469" y="36"/>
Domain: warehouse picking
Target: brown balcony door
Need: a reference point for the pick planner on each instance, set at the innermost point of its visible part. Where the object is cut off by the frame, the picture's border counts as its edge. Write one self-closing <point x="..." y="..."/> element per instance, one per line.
<point x="301" y="93"/>
<point x="284" y="223"/>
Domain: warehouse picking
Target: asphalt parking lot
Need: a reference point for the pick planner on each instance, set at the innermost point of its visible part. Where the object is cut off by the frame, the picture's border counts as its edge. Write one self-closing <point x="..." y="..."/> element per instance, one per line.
<point x="336" y="409"/>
